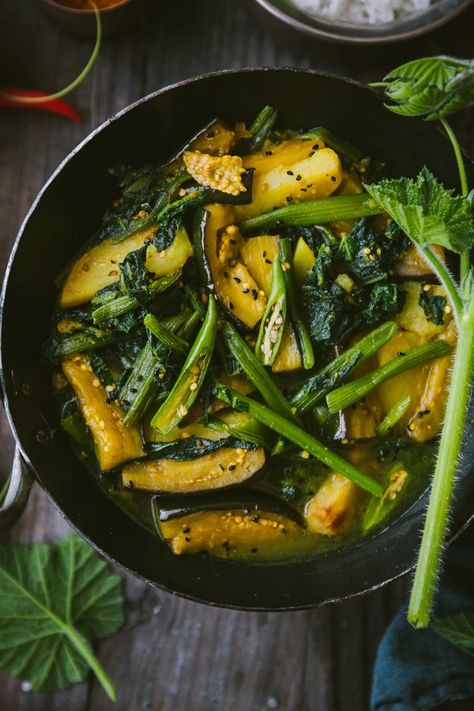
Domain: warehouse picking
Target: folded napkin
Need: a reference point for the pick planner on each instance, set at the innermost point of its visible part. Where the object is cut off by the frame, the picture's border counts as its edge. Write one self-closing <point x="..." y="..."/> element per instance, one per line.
<point x="417" y="670"/>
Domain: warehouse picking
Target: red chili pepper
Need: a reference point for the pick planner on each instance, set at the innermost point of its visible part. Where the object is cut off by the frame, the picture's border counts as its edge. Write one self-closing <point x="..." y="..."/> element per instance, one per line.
<point x="55" y="106"/>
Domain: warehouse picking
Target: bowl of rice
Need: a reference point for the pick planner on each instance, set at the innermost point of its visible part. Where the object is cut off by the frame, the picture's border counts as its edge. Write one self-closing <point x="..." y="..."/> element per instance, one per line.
<point x="365" y="21"/>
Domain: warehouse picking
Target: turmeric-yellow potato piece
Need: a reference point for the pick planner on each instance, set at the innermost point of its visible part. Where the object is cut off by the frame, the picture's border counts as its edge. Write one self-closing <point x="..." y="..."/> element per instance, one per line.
<point x="293" y="172"/>
<point x="258" y="254"/>
<point x="331" y="510"/>
<point x="409" y="384"/>
<point x="413" y="318"/>
<point x="114" y="442"/>
<point x="227" y="466"/>
<point x="98" y="267"/>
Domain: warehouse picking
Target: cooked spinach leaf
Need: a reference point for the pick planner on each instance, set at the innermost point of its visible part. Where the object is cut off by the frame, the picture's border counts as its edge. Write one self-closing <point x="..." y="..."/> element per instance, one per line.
<point x="433" y="305"/>
<point x="193" y="447"/>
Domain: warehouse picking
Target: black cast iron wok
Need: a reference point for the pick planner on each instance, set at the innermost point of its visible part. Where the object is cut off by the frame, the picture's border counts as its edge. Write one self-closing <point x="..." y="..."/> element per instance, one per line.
<point x="68" y="211"/>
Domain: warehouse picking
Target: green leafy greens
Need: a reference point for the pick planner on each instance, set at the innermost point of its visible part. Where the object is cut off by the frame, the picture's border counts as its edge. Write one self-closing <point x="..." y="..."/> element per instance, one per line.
<point x="54" y="601"/>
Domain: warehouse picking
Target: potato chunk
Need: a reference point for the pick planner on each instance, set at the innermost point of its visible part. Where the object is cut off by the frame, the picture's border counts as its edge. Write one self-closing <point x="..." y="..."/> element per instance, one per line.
<point x="292" y="172"/>
<point x="98" y="267"/>
<point x="412" y="317"/>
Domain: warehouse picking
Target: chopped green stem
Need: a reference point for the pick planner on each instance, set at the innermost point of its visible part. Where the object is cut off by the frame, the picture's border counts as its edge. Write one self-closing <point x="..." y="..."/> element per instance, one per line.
<point x="465" y="261"/>
<point x="301" y="329"/>
<point x="164" y="335"/>
<point x="273" y="321"/>
<point x="260" y="129"/>
<point x="352" y="392"/>
<point x="298" y="436"/>
<point x="445" y="278"/>
<point x="174" y="323"/>
<point x="126" y="303"/>
<point x="189" y="328"/>
<point x="256" y="373"/>
<point x="70" y="87"/>
<point x="139" y="390"/>
<point x="194" y="300"/>
<point x="186" y="388"/>
<point x="342" y="147"/>
<point x="393" y="416"/>
<point x="429" y="557"/>
<point x="320" y="211"/>
<point x="86" y="340"/>
<point x="251" y="431"/>
<point x="325" y="380"/>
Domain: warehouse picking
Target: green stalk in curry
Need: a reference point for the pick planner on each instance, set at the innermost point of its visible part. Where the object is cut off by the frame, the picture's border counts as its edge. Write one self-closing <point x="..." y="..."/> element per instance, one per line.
<point x="355" y="390"/>
<point x="313" y="212"/>
<point x="298" y="436"/>
<point x="273" y="320"/>
<point x="186" y="388"/>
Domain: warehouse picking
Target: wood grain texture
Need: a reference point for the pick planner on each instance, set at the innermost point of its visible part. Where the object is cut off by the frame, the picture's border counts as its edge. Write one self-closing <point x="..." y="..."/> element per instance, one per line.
<point x="175" y="655"/>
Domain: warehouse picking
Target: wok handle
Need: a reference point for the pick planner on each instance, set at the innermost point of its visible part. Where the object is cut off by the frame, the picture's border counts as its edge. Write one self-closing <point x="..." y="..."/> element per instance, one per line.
<point x="17" y="493"/>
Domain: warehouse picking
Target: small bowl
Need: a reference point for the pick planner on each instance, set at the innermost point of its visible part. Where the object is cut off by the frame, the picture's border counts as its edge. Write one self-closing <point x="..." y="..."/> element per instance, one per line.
<point x="350" y="33"/>
<point x="81" y="23"/>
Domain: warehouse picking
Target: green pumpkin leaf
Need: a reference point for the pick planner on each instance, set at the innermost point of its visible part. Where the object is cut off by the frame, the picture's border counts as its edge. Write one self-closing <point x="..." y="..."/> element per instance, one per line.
<point x="457" y="629"/>
<point x="54" y="601"/>
<point x="428" y="212"/>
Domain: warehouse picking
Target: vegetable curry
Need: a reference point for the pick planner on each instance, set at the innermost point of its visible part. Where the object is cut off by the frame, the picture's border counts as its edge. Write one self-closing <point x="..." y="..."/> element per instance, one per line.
<point x="249" y="355"/>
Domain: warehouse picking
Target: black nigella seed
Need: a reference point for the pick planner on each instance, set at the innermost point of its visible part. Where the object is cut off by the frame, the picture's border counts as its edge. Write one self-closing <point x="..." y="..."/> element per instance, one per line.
<point x="333" y="178"/>
<point x="245" y="291"/>
<point x="186" y="530"/>
<point x="316" y="146"/>
<point x="254" y="294"/>
<point x="298" y="178"/>
<point x="311" y="154"/>
<point x="231" y="306"/>
<point x="289" y="172"/>
<point x="231" y="467"/>
<point x="268" y="261"/>
<point x="264" y="254"/>
<point x="237" y="280"/>
<point x="400" y="353"/>
<point x="268" y="153"/>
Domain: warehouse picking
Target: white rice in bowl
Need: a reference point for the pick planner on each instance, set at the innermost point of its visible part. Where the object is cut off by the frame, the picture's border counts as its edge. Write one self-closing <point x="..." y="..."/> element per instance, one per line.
<point x="363" y="12"/>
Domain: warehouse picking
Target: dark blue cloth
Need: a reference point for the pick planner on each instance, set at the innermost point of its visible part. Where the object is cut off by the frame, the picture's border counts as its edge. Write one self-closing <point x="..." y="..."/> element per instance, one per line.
<point x="417" y="670"/>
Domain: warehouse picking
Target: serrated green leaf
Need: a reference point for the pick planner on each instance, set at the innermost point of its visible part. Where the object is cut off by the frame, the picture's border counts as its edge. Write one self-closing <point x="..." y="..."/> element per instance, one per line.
<point x="427" y="211"/>
<point x="54" y="601"/>
<point x="457" y="629"/>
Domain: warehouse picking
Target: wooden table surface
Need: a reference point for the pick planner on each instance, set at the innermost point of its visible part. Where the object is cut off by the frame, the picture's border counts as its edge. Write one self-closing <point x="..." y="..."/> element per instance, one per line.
<point x="172" y="654"/>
